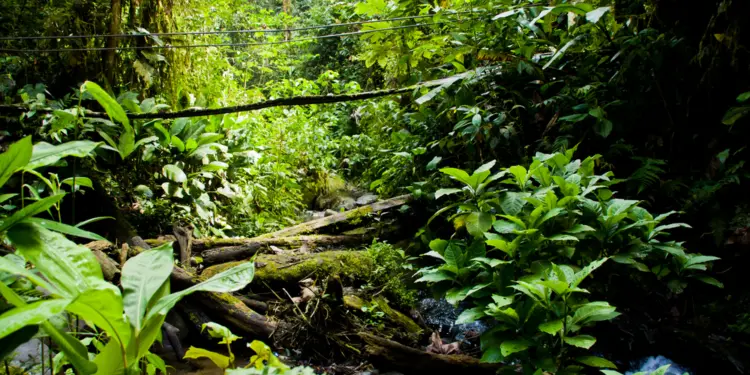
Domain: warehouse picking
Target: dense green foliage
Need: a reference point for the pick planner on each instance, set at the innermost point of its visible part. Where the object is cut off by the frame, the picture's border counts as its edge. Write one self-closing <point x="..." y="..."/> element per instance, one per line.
<point x="554" y="256"/>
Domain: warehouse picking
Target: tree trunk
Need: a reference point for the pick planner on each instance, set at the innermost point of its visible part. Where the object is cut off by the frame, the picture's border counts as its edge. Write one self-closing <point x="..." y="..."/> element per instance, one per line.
<point x="111" y="54"/>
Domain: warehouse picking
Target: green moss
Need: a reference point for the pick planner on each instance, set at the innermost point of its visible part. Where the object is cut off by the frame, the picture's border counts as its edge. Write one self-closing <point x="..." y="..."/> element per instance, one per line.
<point x="396" y="316"/>
<point x="292" y="267"/>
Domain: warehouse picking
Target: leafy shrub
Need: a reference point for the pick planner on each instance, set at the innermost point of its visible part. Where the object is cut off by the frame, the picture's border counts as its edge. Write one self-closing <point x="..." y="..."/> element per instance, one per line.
<point x="526" y="242"/>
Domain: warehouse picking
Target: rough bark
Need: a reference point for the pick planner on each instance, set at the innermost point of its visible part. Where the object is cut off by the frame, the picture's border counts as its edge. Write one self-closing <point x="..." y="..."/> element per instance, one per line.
<point x="110" y="268"/>
<point x="183" y="244"/>
<point x="356" y="213"/>
<point x="392" y="355"/>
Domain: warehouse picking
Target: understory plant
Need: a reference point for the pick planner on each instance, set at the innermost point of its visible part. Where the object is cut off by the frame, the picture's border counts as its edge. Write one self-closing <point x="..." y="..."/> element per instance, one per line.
<point x="527" y="240"/>
<point x="263" y="362"/>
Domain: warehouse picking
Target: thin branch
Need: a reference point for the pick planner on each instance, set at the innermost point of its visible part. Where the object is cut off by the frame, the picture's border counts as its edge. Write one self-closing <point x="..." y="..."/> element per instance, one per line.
<point x="281" y="102"/>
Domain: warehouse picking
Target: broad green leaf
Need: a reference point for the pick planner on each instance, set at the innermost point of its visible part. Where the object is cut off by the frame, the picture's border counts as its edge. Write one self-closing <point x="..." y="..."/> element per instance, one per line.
<point x="582" y="274"/>
<point x="581" y="341"/>
<point x="63" y="228"/>
<point x="578" y="117"/>
<point x="432" y="165"/>
<point x="219" y="360"/>
<point x="710" y="281"/>
<point x="513" y="346"/>
<point x="29" y="211"/>
<point x="142" y="276"/>
<point x="174" y="173"/>
<point x="444" y="192"/>
<point x="745" y="96"/>
<point x="45" y="154"/>
<point x="102" y="305"/>
<point x="477" y="223"/>
<point x="452" y="255"/>
<point x="32" y="314"/>
<point x="698" y="259"/>
<point x="595" y="15"/>
<point x="734" y="114"/>
<point x="491" y="261"/>
<point x="611" y="372"/>
<point x="594" y="312"/>
<point x="68" y="266"/>
<point x="504" y="246"/>
<point x="471" y="315"/>
<point x="552" y="328"/>
<point x="457" y="174"/>
<point x="562" y="50"/>
<point x="595" y="362"/>
<point x="506" y="227"/>
<point x="17" y="268"/>
<point x="513" y="202"/>
<point x="562" y="238"/>
<point x="78" y="181"/>
<point x="17" y="156"/>
<point x="126" y="144"/>
<point x="109" y="360"/>
<point x="457" y="294"/>
<point x="558" y="286"/>
<point x="492" y="355"/>
<point x="218" y="331"/>
<point x="177" y="142"/>
<point x="110" y="105"/>
<point x="230" y="280"/>
<point x="434" y="276"/>
<point x="5" y="197"/>
<point x="580" y="228"/>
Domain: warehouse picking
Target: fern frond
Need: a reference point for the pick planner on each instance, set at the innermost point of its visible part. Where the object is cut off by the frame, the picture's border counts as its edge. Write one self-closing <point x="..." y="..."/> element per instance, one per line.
<point x="648" y="174"/>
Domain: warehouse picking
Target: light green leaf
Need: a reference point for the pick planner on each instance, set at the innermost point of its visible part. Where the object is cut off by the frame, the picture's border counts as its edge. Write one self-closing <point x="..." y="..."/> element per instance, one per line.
<point x="110" y="105"/>
<point x="79" y="181"/>
<point x="513" y="346"/>
<point x="174" y="173"/>
<point x="734" y="114"/>
<point x="29" y="211"/>
<point x="434" y="276"/>
<point x="45" y="154"/>
<point x="611" y="372"/>
<point x="513" y="203"/>
<point x="477" y="223"/>
<point x="552" y="328"/>
<point x="562" y="238"/>
<point x="68" y="266"/>
<point x="594" y="312"/>
<point x="432" y="165"/>
<point x="595" y="362"/>
<point x="217" y="330"/>
<point x="457" y="174"/>
<point x="581" y="341"/>
<point x="698" y="259"/>
<point x="219" y="360"/>
<point x="32" y="314"/>
<point x="582" y="274"/>
<point x="63" y="228"/>
<point x="444" y="192"/>
<point x="142" y="276"/>
<point x="562" y="50"/>
<point x="471" y="315"/>
<point x="102" y="305"/>
<point x="580" y="228"/>
<point x="15" y="158"/>
<point x="595" y="15"/>
<point x="230" y="280"/>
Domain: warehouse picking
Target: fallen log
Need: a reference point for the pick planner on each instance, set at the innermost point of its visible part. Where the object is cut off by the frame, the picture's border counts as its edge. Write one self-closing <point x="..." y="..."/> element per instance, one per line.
<point x="224" y="304"/>
<point x="245" y="248"/>
<point x="356" y="213"/>
<point x="311" y="241"/>
<point x="389" y="354"/>
<point x="289" y="268"/>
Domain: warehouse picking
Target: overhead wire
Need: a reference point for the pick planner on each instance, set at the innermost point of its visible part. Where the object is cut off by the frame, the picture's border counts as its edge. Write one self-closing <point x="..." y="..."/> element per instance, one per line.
<point x="221" y="32"/>
<point x="244" y="44"/>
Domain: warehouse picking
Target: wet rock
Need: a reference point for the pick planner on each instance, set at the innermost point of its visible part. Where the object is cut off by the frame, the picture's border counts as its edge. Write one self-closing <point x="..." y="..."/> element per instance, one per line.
<point x="345" y="203"/>
<point x="329" y="212"/>
<point x="441" y="316"/>
<point x="28" y="357"/>
<point x="366" y="199"/>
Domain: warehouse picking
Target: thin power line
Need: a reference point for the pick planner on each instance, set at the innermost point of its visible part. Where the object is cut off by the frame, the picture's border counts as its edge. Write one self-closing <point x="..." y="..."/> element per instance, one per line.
<point x="307" y="28"/>
<point x="177" y="46"/>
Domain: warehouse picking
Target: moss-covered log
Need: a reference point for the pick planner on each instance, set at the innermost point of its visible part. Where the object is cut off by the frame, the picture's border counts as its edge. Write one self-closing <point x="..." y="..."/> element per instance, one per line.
<point x="351" y="215"/>
<point x="233" y="310"/>
<point x="289" y="268"/>
<point x="387" y="355"/>
<point x="311" y="241"/>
